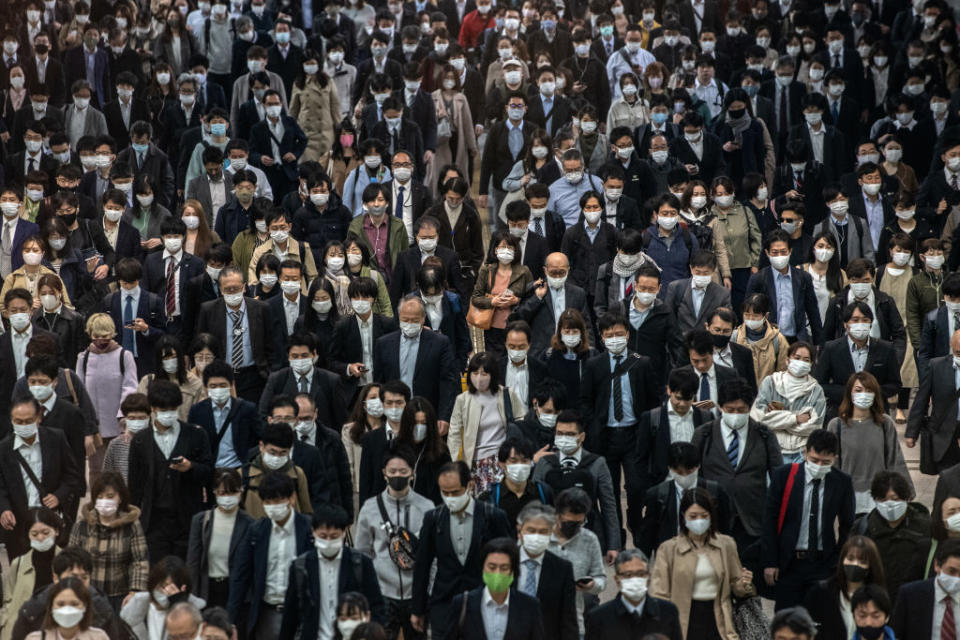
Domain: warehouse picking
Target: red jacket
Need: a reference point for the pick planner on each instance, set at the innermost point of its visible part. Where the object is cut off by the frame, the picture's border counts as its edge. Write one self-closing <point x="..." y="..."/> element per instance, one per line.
<point x="472" y="28"/>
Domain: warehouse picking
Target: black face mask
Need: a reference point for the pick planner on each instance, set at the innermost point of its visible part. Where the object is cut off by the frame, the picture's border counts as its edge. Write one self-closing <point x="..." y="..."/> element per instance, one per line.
<point x="870" y="633"/>
<point x="855" y="573"/>
<point x="398" y="483"/>
<point x="720" y="342"/>
<point x="570" y="528"/>
<point x="41" y="49"/>
<point x="68" y="219"/>
<point x="736" y="113"/>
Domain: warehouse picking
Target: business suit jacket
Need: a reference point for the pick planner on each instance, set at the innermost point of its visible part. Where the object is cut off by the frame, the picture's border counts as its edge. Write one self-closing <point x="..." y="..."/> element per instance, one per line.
<point x="24" y="230"/>
<point x="324" y="389"/>
<point x="156" y="164"/>
<point x="198" y="547"/>
<point x="346" y="347"/>
<point x="242" y="421"/>
<point x="497" y="160"/>
<point x="155" y="276"/>
<point x="410" y="138"/>
<point x="525" y="620"/>
<point x="777" y="549"/>
<point x="937" y="383"/>
<point x="661" y="520"/>
<point x="557" y="594"/>
<point x="279" y="324"/>
<point x="561" y="114"/>
<point x="535" y="252"/>
<point x="912" y="617"/>
<point x="150" y="308"/>
<point x="653" y="441"/>
<point x="612" y="620"/>
<point x="115" y="126"/>
<point x="286" y="67"/>
<point x="805" y="308"/>
<point x="53" y="76"/>
<point x="199" y="189"/>
<point x="294" y="141"/>
<point x="795" y="92"/>
<point x="935" y="338"/>
<point x="128" y="241"/>
<point x="14" y="169"/>
<point x="403" y="279"/>
<point x="710" y="165"/>
<point x="679" y="299"/>
<point x="248" y="577"/>
<point x="420" y="198"/>
<point x="835" y="366"/>
<point x="596" y="385"/>
<point x="23" y="117"/>
<point x="175" y="123"/>
<point x="452" y="578"/>
<point x="213" y="319"/>
<point x="836" y="160"/>
<point x="539" y="314"/>
<point x="536" y="372"/>
<point x="75" y="66"/>
<point x="392" y="69"/>
<point x="60" y="475"/>
<point x="188" y="487"/>
<point x="657" y="338"/>
<point x="435" y="377"/>
<point x="301" y="607"/>
<point x="887" y="316"/>
<point x="200" y="289"/>
<point x="747" y="483"/>
<point x="453" y="325"/>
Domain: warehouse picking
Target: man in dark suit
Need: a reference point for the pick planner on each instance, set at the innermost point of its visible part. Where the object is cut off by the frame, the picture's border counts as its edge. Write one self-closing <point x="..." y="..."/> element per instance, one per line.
<point x="75" y="64"/>
<point x="785" y="93"/>
<point x="126" y="110"/>
<point x="545" y="575"/>
<point x="550" y="299"/>
<point x="790" y="291"/>
<point x="376" y="64"/>
<point x="231" y="423"/>
<point x="205" y="287"/>
<point x="408" y="198"/>
<point x="858" y="351"/>
<point x="256" y="597"/>
<point x="922" y="604"/>
<point x="616" y="388"/>
<point x="406" y="272"/>
<point x="423" y="360"/>
<point x="446" y="313"/>
<point x="460" y="567"/>
<point x="137" y="313"/>
<point x="13" y="229"/>
<point x="633" y="613"/>
<point x="523" y="619"/>
<point x="52" y="68"/>
<point x="176" y="119"/>
<point x="519" y="371"/>
<point x="804" y="505"/>
<point x="420" y="107"/>
<point x="607" y="44"/>
<point x="54" y="477"/>
<point x="798" y="177"/>
<point x="128" y="240"/>
<point x="288" y="307"/>
<point x="692" y="300"/>
<point x="533" y="246"/>
<point x="332" y="567"/>
<point x="835" y="156"/>
<point x="738" y="453"/>
<point x="939" y="387"/>
<point x="399" y="132"/>
<point x="843" y="111"/>
<point x="146" y="158"/>
<point x="394" y="396"/>
<point x="698" y="149"/>
<point x="210" y="93"/>
<point x="504" y="147"/>
<point x="939" y="325"/>
<point x="662" y="516"/>
<point x="41" y="373"/>
<point x="661" y="427"/>
<point x="699" y="350"/>
<point x="170" y="469"/>
<point x="276" y="144"/>
<point x="730" y="354"/>
<point x="548" y="110"/>
<point x="283" y="58"/>
<point x="32" y="158"/>
<point x="881" y="214"/>
<point x="166" y="273"/>
<point x="549" y="39"/>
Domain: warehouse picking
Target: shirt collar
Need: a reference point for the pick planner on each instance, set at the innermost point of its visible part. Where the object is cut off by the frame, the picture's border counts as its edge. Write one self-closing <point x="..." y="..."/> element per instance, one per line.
<point x="287" y="527"/>
<point x="631" y="608"/>
<point x="511" y="126"/>
<point x="48" y="403"/>
<point x="853" y="346"/>
<point x="226" y="407"/>
<point x="524" y="556"/>
<point x="19" y="442"/>
<point x="672" y="412"/>
<point x="178" y="256"/>
<point x="488" y="600"/>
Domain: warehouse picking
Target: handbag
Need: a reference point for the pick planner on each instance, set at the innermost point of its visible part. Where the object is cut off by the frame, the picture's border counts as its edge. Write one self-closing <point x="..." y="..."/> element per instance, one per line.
<point x="481" y="318"/>
<point x="749" y="619"/>
<point x="401" y="544"/>
<point x="444" y="126"/>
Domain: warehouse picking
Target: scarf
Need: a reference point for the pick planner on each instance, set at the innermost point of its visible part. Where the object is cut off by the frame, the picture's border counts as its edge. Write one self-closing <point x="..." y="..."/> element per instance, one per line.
<point x="739" y="125"/>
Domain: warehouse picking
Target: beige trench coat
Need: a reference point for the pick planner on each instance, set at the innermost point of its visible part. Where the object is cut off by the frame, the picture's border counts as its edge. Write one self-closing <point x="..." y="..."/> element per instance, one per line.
<point x="466" y="139"/>
<point x="317" y="110"/>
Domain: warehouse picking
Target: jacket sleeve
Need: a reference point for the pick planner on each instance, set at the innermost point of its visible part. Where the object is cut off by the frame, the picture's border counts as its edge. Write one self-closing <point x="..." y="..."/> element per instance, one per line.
<point x="914" y="314"/>
<point x="290" y="622"/>
<point x="344" y="479"/>
<point x="426" y="553"/>
<point x="195" y="550"/>
<point x="769" y="538"/>
<point x="241" y="574"/>
<point x="927" y="343"/>
<point x="831" y="322"/>
<point x="458" y="426"/>
<point x="812" y="309"/>
<point x="569" y="630"/>
<point x="660" y="586"/>
<point x="892" y="384"/>
<point x="449" y="382"/>
<point x="140" y="562"/>
<point x="608" y="505"/>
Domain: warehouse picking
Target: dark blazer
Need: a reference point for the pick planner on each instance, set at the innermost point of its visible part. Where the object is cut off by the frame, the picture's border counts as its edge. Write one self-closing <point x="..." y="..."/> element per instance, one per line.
<point x="75" y="66"/>
<point x="536" y="372"/>
<point x="156" y="164"/>
<point x="653" y="441"/>
<point x="710" y="165"/>
<point x="150" y="308"/>
<point x="327" y="469"/>
<point x="294" y="141"/>
<point x="115" y="127"/>
<point x="454" y="326"/>
<point x="279" y="325"/>
<point x="248" y="576"/>
<point x="198" y="547"/>
<point x="657" y="338"/>
<point x="679" y="299"/>
<point x="795" y="93"/>
<point x="612" y="620"/>
<point x="128" y="241"/>
<point x="497" y="160"/>
<point x="538" y="313"/>
<point x="188" y="487"/>
<point x="52" y="77"/>
<point x="912" y="617"/>
<point x="535" y="252"/>
<point x="747" y="483"/>
<point x="60" y="475"/>
<point x="346" y="347"/>
<point x="435" y="377"/>
<point x="595" y="388"/>
<point x="213" y="319"/>
<point x="403" y="279"/>
<point x="937" y="384"/>
<point x="200" y="289"/>
<point x="14" y="169"/>
<point x="68" y="418"/>
<point x="420" y="198"/>
<point x="777" y="550"/>
<point x="286" y="67"/>
<point x="934" y="339"/>
<point x="452" y="578"/>
<point x="410" y="138"/>
<point x="805" y="308"/>
<point x="561" y="114"/>
<point x="199" y="188"/>
<point x="661" y="520"/>
<point x="888" y="317"/>
<point x="301" y="607"/>
<point x="585" y="256"/>
<point x="835" y="154"/>
<point x="823" y="603"/>
<point x="324" y="389"/>
<point x="242" y="421"/>
<point x="524" y="617"/>
<point x="392" y="68"/>
<point x="25" y="229"/>
<point x="835" y="366"/>
<point x="155" y="275"/>
<point x="557" y="594"/>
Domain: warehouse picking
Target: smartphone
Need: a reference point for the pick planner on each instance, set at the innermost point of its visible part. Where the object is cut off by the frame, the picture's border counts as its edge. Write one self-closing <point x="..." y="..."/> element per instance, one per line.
<point x="176" y="460"/>
<point x="584" y="581"/>
<point x="89" y="254"/>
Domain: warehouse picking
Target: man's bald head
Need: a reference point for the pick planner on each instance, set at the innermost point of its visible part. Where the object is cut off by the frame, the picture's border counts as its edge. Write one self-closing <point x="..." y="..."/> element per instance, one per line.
<point x="556" y="260"/>
<point x="183" y="621"/>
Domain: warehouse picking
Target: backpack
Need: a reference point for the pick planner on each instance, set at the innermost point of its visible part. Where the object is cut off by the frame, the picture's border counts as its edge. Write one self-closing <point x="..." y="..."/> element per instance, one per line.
<point x="86" y="358"/>
<point x="206" y="30"/>
<point x="401" y="544"/>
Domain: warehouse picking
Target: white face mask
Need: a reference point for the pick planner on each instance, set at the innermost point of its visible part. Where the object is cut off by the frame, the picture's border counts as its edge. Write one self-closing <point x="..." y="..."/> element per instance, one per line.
<point x="779" y="262"/>
<point x="863" y="399"/>
<point x="393" y="414"/>
<point x="276" y="512"/>
<point x="798" y="368"/>
<point x="667" y="222"/>
<point x="361" y="307"/>
<point x="41" y="392"/>
<point x="25" y="431"/>
<point x="328" y="548"/>
<point x="688" y="481"/>
<point x="274" y="462"/>
<point x="860" y="290"/>
<point x="701" y="282"/>
<point x="901" y="258"/>
<point x="892" y="510"/>
<point x="518" y="472"/>
<point x="67" y="617"/>
<point x="228" y="503"/>
<point x="456" y="504"/>
<point x="934" y="262"/>
<point x="635" y="589"/>
<point x="859" y="330"/>
<point x="136" y="425"/>
<point x="347" y="627"/>
<point x="167" y="418"/>
<point x="374" y="407"/>
<point x="43" y="546"/>
<point x="735" y="421"/>
<point x="172" y="245"/>
<point x="699" y="526"/>
<point x="615" y="345"/>
<point x="219" y="395"/>
<point x="570" y="340"/>
<point x="823" y="255"/>
<point x="753" y="325"/>
<point x="106" y="506"/>
<point x="505" y="256"/>
<point x="817" y="471"/>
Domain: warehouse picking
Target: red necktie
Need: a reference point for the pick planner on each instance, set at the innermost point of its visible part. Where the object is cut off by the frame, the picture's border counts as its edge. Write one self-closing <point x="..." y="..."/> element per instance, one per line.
<point x="171" y="299"/>
<point x="948" y="628"/>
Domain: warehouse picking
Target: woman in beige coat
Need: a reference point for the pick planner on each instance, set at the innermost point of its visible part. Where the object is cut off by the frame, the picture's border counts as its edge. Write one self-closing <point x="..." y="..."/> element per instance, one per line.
<point x="461" y="143"/>
<point x="699" y="571"/>
<point x="316" y="106"/>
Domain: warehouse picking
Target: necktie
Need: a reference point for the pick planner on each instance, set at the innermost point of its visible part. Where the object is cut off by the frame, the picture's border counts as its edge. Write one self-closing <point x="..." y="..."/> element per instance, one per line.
<point x="954" y="182"/>
<point x="8" y="236"/>
<point x="399" y="209"/>
<point x="408" y="365"/>
<point x="784" y="111"/>
<point x="799" y="180"/>
<point x="733" y="450"/>
<point x="948" y="628"/>
<point x="140" y="160"/>
<point x="704" y="387"/>
<point x="835" y="112"/>
<point x="304" y="388"/>
<point x="617" y="390"/>
<point x="128" y="338"/>
<point x="236" y="356"/>
<point x="530" y="578"/>
<point x="394" y="142"/>
<point x="836" y="61"/>
<point x="538" y="226"/>
<point x="814" y="536"/>
<point x="171" y="299"/>
<point x="303" y="438"/>
<point x="33" y="165"/>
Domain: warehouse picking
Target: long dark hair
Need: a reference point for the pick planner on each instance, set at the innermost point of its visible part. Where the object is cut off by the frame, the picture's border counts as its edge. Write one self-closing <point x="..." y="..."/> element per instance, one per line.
<point x="166" y="346"/>
<point x="702" y="498"/>
<point x="433" y="447"/>
<point x="358" y="417"/>
<point x="834" y="279"/>
<point x="311" y="320"/>
<point x="866" y="550"/>
<point x="322" y="78"/>
<point x="345" y="126"/>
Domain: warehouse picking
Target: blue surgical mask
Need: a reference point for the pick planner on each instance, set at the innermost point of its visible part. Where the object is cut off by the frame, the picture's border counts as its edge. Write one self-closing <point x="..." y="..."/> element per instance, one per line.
<point x="548" y="25"/>
<point x="218" y="129"/>
<point x="659" y="118"/>
<point x="140" y="148"/>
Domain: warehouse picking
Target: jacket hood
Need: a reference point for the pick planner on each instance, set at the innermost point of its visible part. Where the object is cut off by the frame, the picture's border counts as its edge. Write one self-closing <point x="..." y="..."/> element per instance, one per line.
<point x="129" y="516"/>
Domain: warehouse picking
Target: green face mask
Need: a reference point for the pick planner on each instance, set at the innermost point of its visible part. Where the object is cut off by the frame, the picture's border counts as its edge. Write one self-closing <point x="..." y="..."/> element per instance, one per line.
<point x="497" y="582"/>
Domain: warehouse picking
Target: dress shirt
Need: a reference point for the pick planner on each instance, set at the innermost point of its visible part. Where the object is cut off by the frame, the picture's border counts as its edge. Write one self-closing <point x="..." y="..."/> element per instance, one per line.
<point x="636" y="610"/>
<point x="245" y="328"/>
<point x="514" y="137"/>
<point x="134" y="297"/>
<point x="276" y="134"/>
<point x="329" y="593"/>
<point x="681" y="427"/>
<point x="710" y="93"/>
<point x="435" y="313"/>
<point x="125" y="108"/>
<point x="697" y="6"/>
<point x="280" y="553"/>
<point x="291" y="311"/>
<point x="940" y="607"/>
<point x="558" y="299"/>
<point x="409" y="350"/>
<point x="366" y="340"/>
<point x="28" y="158"/>
<point x="32" y="454"/>
<point x="627" y="390"/>
<point x="461" y="530"/>
<point x="565" y="198"/>
<point x="178" y="258"/>
<point x="783" y="285"/>
<point x="858" y="355"/>
<point x="377" y="235"/>
<point x="518" y="380"/>
<point x="407" y="203"/>
<point x="547" y="102"/>
<point x="874" y="218"/>
<point x="495" y="616"/>
<point x="816" y="141"/>
<point x="111" y="232"/>
<point x="218" y="197"/>
<point x="7" y="234"/>
<point x="638" y="316"/>
<point x="696" y="295"/>
<point x="166" y="440"/>
<point x="19" y="342"/>
<point x="724" y="357"/>
<point x="803" y="540"/>
<point x="538" y="562"/>
<point x="727" y="434"/>
<point x="91" y="65"/>
<point x="226" y="455"/>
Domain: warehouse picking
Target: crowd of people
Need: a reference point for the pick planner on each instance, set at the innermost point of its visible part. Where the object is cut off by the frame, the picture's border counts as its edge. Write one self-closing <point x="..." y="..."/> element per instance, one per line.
<point x="360" y="321"/>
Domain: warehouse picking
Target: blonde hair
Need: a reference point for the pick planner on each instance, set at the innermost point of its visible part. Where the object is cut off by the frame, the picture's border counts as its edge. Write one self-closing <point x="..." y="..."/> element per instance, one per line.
<point x="101" y="324"/>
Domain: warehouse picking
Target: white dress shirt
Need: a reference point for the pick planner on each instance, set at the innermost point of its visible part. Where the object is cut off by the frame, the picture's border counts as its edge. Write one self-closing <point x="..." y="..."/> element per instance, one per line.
<point x="407" y="204"/>
<point x="366" y="339"/>
<point x="291" y="311"/>
<point x="940" y="607"/>
<point x="681" y="427"/>
<point x="280" y="554"/>
<point x="31" y="453"/>
<point x="19" y="342"/>
<point x="558" y="297"/>
<point x="803" y="539"/>
<point x="727" y="434"/>
<point x="329" y="592"/>
<point x="166" y="440"/>
<point x="518" y="380"/>
<point x="494" y="616"/>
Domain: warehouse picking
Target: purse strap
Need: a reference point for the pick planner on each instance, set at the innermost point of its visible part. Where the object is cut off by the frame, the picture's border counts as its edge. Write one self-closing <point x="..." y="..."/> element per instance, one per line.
<point x="30" y="474"/>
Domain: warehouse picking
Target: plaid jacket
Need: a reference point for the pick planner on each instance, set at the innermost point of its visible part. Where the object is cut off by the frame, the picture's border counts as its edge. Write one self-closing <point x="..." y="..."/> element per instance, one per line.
<point x="120" y="562"/>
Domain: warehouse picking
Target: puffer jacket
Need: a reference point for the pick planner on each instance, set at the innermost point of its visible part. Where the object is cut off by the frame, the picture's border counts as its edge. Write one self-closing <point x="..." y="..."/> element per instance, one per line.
<point x="797" y="396"/>
<point x="318" y="228"/>
<point x="904" y="548"/>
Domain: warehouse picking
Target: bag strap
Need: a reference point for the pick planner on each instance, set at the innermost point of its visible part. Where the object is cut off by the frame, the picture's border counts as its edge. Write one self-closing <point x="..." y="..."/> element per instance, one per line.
<point x="787" y="491"/>
<point x="383" y="514"/>
<point x="507" y="405"/>
<point x="71" y="388"/>
<point x="30" y="474"/>
<point x="463" y="614"/>
<point x="357" y="561"/>
<point x="543" y="497"/>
